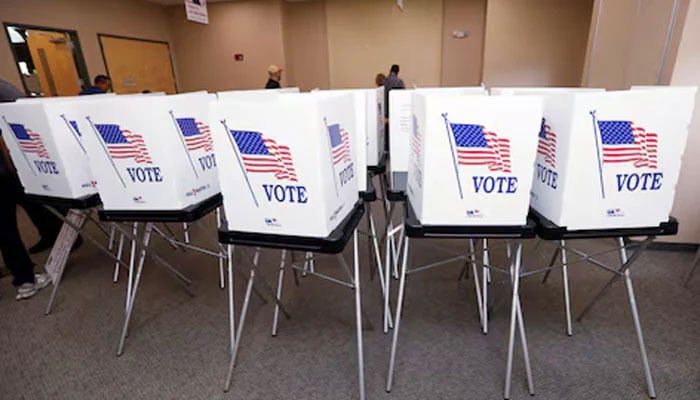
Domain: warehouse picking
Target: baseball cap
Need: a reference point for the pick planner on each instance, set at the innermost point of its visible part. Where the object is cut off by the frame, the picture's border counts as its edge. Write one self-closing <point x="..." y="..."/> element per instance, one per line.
<point x="273" y="69"/>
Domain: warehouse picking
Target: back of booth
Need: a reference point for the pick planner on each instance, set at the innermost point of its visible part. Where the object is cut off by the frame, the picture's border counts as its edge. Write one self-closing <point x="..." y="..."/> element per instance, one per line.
<point x="46" y="147"/>
<point x="611" y="159"/>
<point x="471" y="158"/>
<point x="149" y="152"/>
<point x="286" y="165"/>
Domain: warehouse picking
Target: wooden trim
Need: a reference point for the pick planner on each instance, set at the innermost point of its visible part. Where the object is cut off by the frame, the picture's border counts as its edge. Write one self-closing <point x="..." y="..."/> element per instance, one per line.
<point x="167" y="44"/>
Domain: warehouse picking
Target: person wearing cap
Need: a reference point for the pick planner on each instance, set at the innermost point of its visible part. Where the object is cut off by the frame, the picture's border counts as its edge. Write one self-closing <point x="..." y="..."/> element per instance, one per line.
<point x="275" y="74"/>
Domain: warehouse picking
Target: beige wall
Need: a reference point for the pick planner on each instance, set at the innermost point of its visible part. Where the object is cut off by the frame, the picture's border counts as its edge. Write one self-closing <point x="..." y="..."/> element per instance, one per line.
<point x="306" y="44"/>
<point x="205" y="53"/>
<point x="536" y="42"/>
<point x="630" y="43"/>
<point x="462" y="59"/>
<point x="366" y="36"/>
<point x="134" y="18"/>
<point x="687" y="72"/>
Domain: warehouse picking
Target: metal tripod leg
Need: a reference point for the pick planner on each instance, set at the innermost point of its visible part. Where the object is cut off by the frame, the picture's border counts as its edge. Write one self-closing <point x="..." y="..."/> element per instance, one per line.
<point x="485" y="287"/>
<point x="280" y="280"/>
<point x="358" y="315"/>
<point x="231" y="309"/>
<point x="397" y="316"/>
<point x="551" y="262"/>
<point x="475" y="275"/>
<point x="565" y="283"/>
<point x="130" y="301"/>
<point x="637" y="322"/>
<point x="626" y="265"/>
<point x="516" y="318"/>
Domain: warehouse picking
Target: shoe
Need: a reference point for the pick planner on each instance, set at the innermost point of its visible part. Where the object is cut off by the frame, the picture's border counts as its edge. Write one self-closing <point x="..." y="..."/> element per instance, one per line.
<point x="41" y="245"/>
<point x="28" y="290"/>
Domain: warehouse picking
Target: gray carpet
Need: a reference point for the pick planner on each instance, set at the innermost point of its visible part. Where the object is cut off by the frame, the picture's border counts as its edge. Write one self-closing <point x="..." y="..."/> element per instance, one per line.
<point x="177" y="348"/>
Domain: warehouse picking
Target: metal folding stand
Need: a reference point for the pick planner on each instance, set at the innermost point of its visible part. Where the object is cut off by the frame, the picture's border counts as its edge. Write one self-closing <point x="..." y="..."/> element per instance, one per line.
<point x="74" y="223"/>
<point x="394" y="194"/>
<point x="333" y="244"/>
<point x="549" y="231"/>
<point x="150" y="218"/>
<point x="414" y="229"/>
<point x="368" y="197"/>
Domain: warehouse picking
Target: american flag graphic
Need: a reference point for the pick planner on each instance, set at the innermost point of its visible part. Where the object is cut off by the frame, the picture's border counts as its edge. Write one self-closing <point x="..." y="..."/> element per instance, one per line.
<point x="264" y="155"/>
<point x="475" y="146"/>
<point x="124" y="144"/>
<point x="416" y="146"/>
<point x="547" y="144"/>
<point x="29" y="141"/>
<point x="74" y="124"/>
<point x="623" y="142"/>
<point x="340" y="144"/>
<point x="196" y="133"/>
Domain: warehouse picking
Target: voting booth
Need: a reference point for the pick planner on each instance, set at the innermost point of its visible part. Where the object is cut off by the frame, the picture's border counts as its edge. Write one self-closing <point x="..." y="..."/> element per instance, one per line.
<point x="149" y="152"/>
<point x="375" y="126"/>
<point x="611" y="159"/>
<point x="255" y="94"/>
<point x="401" y="126"/>
<point x="471" y="158"/>
<point x="46" y="146"/>
<point x="365" y="128"/>
<point x="286" y="165"/>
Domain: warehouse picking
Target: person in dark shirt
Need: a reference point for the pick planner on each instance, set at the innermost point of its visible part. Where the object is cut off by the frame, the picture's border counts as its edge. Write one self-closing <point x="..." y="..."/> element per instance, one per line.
<point x="390" y="82"/>
<point x="13" y="251"/>
<point x="102" y="85"/>
<point x="275" y="74"/>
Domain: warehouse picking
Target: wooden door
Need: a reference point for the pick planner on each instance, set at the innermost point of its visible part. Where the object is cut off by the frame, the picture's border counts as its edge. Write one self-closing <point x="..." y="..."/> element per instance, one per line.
<point x="52" y="54"/>
<point x="135" y="65"/>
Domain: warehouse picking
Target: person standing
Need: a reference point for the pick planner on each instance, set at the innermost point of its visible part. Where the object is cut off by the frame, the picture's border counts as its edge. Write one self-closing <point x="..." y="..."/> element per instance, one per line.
<point x="101" y="86"/>
<point x="275" y="76"/>
<point x="13" y="251"/>
<point x="390" y="83"/>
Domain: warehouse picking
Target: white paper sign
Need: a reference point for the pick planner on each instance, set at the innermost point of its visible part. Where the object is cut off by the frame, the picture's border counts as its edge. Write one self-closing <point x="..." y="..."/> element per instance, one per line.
<point x="197" y="11"/>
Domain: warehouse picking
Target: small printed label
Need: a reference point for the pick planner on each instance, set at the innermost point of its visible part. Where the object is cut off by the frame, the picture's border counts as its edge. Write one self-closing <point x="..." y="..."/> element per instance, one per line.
<point x="615" y="212"/>
<point x="272" y="222"/>
<point x="475" y="214"/>
<point x="138" y="199"/>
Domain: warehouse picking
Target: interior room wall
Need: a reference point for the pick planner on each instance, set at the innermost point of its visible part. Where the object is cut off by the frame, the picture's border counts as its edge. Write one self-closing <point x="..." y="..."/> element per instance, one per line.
<point x="536" y="42"/>
<point x="462" y="59"/>
<point x="628" y="42"/>
<point x="135" y="18"/>
<point x="205" y="53"/>
<point x="686" y="71"/>
<point x="366" y="36"/>
<point x="306" y="44"/>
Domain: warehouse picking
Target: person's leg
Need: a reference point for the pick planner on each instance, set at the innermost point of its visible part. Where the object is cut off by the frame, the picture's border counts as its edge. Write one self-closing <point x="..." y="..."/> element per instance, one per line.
<point x="47" y="224"/>
<point x="11" y="246"/>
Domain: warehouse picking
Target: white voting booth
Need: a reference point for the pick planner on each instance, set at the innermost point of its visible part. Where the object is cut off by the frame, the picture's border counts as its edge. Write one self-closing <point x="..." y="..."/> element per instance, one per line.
<point x="471" y="158"/>
<point x="255" y="94"/>
<point x="401" y="122"/>
<point x="286" y="165"/>
<point x="611" y="159"/>
<point x="149" y="152"/>
<point x="366" y="128"/>
<point x="46" y="146"/>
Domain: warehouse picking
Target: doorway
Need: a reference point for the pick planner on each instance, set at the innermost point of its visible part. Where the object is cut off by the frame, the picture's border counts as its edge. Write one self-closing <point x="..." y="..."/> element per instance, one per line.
<point x="50" y="61"/>
<point x="137" y="65"/>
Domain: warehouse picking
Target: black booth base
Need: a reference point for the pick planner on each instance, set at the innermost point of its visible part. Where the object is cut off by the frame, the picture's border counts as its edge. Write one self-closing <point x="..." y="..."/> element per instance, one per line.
<point x="396" y="195"/>
<point x="370" y="194"/>
<point x="414" y="229"/>
<point x="548" y="230"/>
<point x="59" y="202"/>
<point x="333" y="244"/>
<point x="380" y="168"/>
<point x="189" y="214"/>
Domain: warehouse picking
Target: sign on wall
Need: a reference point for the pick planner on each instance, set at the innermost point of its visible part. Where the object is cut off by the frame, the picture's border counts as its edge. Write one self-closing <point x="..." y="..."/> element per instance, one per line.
<point x="197" y="11"/>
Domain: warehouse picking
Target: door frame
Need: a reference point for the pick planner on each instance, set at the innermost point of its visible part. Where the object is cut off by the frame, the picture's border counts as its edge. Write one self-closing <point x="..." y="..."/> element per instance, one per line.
<point x="77" y="49"/>
<point x="167" y="44"/>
